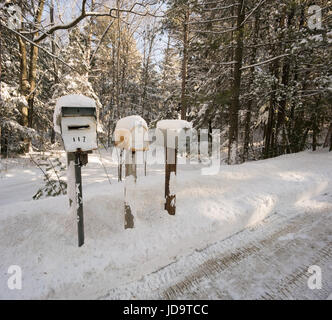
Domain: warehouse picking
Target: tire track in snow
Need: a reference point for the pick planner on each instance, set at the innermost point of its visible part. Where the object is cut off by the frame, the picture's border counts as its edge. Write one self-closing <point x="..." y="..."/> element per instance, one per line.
<point x="294" y="282"/>
<point x="289" y="286"/>
<point x="207" y="268"/>
<point x="223" y="262"/>
<point x="267" y="261"/>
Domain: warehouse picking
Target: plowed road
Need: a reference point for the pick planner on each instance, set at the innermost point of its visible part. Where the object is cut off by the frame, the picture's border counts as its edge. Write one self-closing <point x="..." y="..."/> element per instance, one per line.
<point x="269" y="261"/>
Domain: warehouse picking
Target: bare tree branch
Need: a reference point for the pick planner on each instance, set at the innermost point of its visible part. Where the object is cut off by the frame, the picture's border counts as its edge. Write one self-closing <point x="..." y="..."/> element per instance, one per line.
<point x="216" y="32"/>
<point x="38" y="46"/>
<point x="65" y="26"/>
<point x="252" y="11"/>
<point x="85" y="14"/>
<point x="100" y="41"/>
<point x="212" y="20"/>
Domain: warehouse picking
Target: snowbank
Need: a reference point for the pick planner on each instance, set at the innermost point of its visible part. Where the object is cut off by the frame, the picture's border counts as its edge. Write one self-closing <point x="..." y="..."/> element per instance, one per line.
<point x="41" y="236"/>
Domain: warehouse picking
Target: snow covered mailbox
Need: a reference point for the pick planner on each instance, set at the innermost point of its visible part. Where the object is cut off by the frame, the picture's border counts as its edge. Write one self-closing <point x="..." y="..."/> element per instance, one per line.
<point x="75" y="118"/>
<point x="131" y="133"/>
<point x="131" y="136"/>
<point x="174" y="131"/>
<point x="76" y="121"/>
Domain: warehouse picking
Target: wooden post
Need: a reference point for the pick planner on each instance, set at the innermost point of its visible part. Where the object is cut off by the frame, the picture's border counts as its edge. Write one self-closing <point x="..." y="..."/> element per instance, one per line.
<point x="170" y="166"/>
<point x="120" y="165"/>
<point x="130" y="170"/>
<point x="144" y="159"/>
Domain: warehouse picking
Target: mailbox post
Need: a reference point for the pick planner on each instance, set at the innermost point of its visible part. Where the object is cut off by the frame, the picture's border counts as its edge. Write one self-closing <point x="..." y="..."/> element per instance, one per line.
<point x="171" y="130"/>
<point x="78" y="182"/>
<point x="75" y="118"/>
<point x="131" y="136"/>
<point x="130" y="171"/>
<point x="170" y="167"/>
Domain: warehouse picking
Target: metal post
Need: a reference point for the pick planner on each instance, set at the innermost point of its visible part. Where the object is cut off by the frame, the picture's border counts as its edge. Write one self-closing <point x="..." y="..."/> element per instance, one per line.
<point x="79" y="199"/>
<point x="70" y="176"/>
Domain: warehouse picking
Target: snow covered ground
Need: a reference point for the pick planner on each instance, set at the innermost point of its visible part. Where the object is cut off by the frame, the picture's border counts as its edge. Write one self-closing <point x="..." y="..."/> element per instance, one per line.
<point x="40" y="236"/>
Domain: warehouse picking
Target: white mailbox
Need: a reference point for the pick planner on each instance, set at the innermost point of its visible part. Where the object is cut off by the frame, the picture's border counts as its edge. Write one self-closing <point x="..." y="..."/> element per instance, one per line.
<point x="131" y="133"/>
<point x="75" y="118"/>
<point x="172" y="130"/>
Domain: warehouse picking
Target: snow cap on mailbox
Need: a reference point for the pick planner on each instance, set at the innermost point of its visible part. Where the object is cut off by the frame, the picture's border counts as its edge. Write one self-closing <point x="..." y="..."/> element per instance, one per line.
<point x="131" y="133"/>
<point x="174" y="129"/>
<point x="75" y="118"/>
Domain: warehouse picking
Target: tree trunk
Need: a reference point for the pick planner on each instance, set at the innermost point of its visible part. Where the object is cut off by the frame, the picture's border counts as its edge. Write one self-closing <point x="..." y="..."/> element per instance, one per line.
<point x="33" y="65"/>
<point x="55" y="69"/>
<point x="24" y="82"/>
<point x="283" y="103"/>
<point x="166" y="62"/>
<point x="184" y="71"/>
<point x="89" y="40"/>
<point x="4" y="141"/>
<point x="24" y="88"/>
<point x="281" y="111"/>
<point x="148" y="46"/>
<point x="315" y="128"/>
<point x="269" y="133"/>
<point x="235" y="105"/>
<point x="118" y="60"/>
<point x="314" y="139"/>
<point x="268" y="141"/>
<point x="250" y="102"/>
<point x="3" y="137"/>
<point x="328" y="139"/>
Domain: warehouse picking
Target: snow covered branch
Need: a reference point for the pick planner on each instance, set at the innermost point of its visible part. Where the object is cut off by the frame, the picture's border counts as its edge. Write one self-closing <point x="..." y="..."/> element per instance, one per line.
<point x="265" y="62"/>
<point x="38" y="46"/>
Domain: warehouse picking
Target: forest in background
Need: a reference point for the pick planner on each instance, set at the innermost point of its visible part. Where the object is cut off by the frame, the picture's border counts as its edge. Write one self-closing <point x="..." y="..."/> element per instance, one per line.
<point x="256" y="70"/>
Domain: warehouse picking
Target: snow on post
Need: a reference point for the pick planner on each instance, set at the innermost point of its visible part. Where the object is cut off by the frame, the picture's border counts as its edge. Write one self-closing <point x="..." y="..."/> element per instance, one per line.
<point x="130" y="135"/>
<point x="75" y="118"/>
<point x="171" y="130"/>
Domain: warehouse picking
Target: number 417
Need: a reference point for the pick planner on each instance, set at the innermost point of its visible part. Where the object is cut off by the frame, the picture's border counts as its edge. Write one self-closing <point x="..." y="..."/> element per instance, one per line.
<point x="79" y="139"/>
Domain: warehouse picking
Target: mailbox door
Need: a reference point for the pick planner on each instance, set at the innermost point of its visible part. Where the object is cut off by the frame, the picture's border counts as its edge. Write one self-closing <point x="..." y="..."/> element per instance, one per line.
<point x="79" y="133"/>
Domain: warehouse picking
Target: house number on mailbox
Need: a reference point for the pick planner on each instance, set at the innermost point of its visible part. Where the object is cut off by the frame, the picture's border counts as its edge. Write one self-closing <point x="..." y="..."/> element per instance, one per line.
<point x="79" y="139"/>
